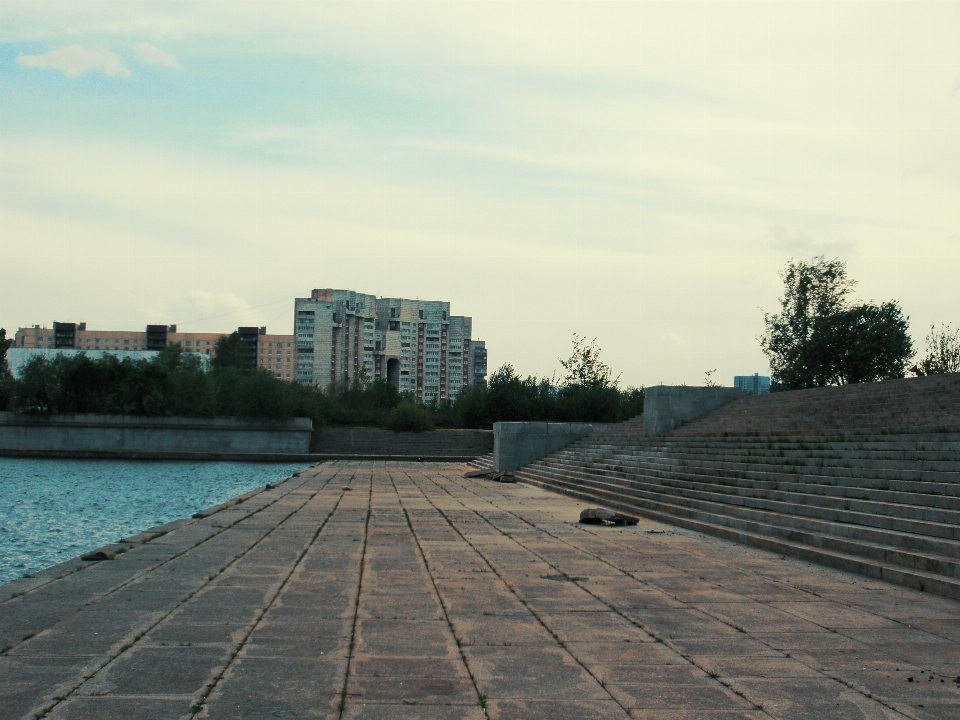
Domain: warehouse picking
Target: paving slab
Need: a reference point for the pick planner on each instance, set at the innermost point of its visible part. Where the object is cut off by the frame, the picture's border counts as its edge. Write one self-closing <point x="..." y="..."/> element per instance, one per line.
<point x="422" y="594"/>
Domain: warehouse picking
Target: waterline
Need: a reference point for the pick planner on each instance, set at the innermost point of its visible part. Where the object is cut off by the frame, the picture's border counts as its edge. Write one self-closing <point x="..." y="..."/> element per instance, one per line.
<point x="54" y="510"/>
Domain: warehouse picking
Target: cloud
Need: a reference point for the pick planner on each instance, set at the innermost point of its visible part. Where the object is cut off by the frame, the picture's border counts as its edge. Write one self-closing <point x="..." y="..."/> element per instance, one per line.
<point x="801" y="244"/>
<point x="199" y="307"/>
<point x="155" y="56"/>
<point x="76" y="61"/>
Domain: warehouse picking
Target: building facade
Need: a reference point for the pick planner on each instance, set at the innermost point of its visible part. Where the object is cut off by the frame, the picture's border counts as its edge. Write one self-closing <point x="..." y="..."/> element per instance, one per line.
<point x="752" y="384"/>
<point x="478" y="363"/>
<point x="265" y="351"/>
<point x="416" y="345"/>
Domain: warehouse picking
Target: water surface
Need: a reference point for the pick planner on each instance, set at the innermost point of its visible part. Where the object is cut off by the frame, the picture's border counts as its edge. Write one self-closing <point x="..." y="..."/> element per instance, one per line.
<point x="54" y="510"/>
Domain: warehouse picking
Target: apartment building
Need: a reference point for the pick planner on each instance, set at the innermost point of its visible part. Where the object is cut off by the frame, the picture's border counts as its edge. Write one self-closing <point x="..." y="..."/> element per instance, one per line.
<point x="755" y="384"/>
<point x="417" y="345"/>
<point x="275" y="353"/>
<point x="478" y="363"/>
<point x="265" y="350"/>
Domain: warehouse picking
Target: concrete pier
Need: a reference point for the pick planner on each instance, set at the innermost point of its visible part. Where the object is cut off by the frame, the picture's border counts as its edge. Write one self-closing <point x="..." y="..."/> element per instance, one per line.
<point x="420" y="594"/>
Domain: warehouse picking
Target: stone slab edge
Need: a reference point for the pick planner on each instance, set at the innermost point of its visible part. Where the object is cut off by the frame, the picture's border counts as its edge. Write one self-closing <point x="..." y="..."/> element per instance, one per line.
<point x="237" y="457"/>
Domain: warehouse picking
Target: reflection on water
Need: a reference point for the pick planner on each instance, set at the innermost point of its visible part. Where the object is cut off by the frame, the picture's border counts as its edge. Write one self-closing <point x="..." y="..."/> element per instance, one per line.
<point x="54" y="510"/>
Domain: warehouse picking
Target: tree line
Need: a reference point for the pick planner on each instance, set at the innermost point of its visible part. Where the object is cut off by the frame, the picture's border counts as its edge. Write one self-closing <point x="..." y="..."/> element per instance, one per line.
<point x="175" y="382"/>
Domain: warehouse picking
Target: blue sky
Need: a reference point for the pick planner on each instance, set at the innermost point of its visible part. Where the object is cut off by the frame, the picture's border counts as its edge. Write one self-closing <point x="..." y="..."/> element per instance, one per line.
<point x="637" y="171"/>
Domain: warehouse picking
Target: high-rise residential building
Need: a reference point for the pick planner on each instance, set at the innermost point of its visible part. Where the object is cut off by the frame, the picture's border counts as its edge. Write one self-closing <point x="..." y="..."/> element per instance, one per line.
<point x="478" y="363"/>
<point x="416" y="345"/>
<point x="752" y="384"/>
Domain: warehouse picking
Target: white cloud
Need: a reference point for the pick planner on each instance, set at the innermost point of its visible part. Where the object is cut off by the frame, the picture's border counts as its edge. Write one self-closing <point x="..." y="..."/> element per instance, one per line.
<point x="155" y="56"/>
<point x="801" y="245"/>
<point x="203" y="308"/>
<point x="76" y="61"/>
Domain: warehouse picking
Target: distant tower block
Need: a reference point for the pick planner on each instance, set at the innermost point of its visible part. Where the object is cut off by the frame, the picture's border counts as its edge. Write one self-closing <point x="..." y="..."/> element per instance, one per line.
<point x="752" y="384"/>
<point x="416" y="345"/>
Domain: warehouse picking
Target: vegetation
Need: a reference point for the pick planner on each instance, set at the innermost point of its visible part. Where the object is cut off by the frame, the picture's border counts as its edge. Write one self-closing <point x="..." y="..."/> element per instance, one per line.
<point x="171" y="383"/>
<point x="820" y="338"/>
<point x="6" y="381"/>
<point x="176" y="383"/>
<point x="409" y="417"/>
<point x="943" y="352"/>
<point x="586" y="394"/>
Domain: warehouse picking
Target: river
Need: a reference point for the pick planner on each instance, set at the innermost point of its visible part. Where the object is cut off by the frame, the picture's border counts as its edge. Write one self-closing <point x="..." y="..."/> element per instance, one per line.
<point x="54" y="510"/>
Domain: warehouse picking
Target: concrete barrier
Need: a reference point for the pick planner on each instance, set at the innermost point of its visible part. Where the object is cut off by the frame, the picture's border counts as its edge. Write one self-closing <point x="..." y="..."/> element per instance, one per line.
<point x="516" y="444"/>
<point x="87" y="435"/>
<point x="370" y="442"/>
<point x="667" y="407"/>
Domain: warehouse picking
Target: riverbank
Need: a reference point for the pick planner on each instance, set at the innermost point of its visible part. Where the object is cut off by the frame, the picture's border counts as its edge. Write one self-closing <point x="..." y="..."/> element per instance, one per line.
<point x="53" y="510"/>
<point x="404" y="590"/>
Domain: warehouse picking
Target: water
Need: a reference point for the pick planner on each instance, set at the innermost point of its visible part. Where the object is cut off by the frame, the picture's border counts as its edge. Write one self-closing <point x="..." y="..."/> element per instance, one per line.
<point x="53" y="510"/>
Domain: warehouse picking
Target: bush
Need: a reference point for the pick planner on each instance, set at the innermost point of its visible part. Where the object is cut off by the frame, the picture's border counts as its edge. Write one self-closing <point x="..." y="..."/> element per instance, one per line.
<point x="407" y="417"/>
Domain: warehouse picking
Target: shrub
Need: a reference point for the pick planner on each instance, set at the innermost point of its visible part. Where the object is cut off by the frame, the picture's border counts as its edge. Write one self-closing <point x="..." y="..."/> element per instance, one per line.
<point x="407" y="417"/>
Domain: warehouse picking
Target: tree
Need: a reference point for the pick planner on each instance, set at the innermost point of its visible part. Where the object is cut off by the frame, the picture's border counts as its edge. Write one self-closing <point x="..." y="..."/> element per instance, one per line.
<point x="811" y="290"/>
<point x="230" y="352"/>
<point x="584" y="367"/>
<point x="819" y="338"/>
<point x="861" y="344"/>
<point x="6" y="379"/>
<point x="943" y="352"/>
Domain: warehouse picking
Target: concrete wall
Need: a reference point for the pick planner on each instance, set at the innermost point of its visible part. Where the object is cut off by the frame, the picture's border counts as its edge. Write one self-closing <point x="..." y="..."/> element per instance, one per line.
<point x="371" y="441"/>
<point x="516" y="444"/>
<point x="667" y="407"/>
<point x="130" y="435"/>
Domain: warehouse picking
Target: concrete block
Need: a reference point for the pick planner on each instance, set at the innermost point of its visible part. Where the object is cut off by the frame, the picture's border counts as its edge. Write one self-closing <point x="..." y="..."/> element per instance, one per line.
<point x="516" y="444"/>
<point x="667" y="407"/>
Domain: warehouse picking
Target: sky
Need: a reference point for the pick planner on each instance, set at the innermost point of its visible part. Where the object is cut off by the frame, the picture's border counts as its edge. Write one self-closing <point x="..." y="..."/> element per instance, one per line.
<point x="635" y="172"/>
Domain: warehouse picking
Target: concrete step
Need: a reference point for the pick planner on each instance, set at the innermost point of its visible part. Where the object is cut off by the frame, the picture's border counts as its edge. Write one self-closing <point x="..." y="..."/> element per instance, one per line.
<point x="932" y="483"/>
<point x="916" y="505"/>
<point x="938" y="489"/>
<point x="940" y="538"/>
<point x="482" y="462"/>
<point x="871" y="559"/>
<point x="827" y="487"/>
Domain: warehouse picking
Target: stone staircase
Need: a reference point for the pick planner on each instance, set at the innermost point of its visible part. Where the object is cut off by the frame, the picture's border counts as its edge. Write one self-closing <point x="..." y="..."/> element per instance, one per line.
<point x="865" y="478"/>
<point x="482" y="462"/>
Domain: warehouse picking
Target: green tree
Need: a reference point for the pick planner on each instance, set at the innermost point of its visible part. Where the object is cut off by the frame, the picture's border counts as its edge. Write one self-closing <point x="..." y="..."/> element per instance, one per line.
<point x="6" y="379"/>
<point x="230" y="352"/>
<point x="409" y="417"/>
<point x="584" y="367"/>
<point x="943" y="352"/>
<point x="863" y="343"/>
<point x="819" y="338"/>
<point x="811" y="290"/>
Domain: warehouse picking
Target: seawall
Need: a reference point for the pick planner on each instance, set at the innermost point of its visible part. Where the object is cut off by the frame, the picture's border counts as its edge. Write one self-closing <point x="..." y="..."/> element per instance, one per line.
<point x="139" y="437"/>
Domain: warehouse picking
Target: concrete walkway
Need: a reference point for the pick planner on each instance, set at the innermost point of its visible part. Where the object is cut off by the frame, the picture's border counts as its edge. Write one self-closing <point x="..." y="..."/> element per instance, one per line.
<point x="420" y="594"/>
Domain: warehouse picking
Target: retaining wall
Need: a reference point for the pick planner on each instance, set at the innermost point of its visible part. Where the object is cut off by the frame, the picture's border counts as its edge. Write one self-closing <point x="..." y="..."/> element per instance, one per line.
<point x="667" y="407"/>
<point x="516" y="444"/>
<point x="377" y="442"/>
<point x="87" y="435"/>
